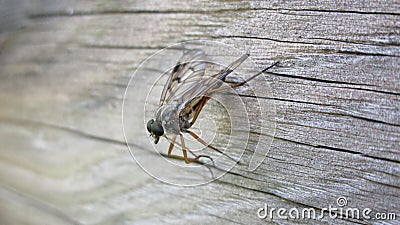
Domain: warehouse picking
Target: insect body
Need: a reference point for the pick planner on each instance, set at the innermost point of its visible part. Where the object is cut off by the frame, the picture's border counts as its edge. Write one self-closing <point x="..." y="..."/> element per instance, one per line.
<point x="185" y="93"/>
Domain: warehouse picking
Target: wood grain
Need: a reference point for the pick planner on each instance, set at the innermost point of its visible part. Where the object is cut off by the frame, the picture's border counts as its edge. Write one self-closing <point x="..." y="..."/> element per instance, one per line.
<point x="65" y="65"/>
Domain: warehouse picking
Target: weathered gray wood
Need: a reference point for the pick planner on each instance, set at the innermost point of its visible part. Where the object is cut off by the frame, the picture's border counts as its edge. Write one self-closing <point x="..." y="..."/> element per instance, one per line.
<point x="64" y="67"/>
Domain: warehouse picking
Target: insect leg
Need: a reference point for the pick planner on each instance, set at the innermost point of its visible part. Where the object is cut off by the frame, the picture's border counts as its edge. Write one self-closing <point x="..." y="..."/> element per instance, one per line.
<point x="184" y="150"/>
<point x="190" y="160"/>
<point x="187" y="160"/>
<point x="225" y="72"/>
<point x="244" y="82"/>
<point x="195" y="136"/>
<point x="255" y="75"/>
<point x="171" y="146"/>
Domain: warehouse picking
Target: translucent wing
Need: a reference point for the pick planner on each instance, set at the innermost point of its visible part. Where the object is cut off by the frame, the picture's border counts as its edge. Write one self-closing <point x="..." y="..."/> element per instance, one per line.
<point x="192" y="98"/>
<point x="190" y="67"/>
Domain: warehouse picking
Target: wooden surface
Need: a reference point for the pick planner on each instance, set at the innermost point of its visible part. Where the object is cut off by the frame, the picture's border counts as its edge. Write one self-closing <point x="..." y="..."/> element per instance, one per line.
<point x="64" y="67"/>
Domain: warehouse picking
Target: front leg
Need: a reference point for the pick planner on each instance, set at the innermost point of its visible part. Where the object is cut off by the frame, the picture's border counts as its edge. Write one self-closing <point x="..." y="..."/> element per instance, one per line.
<point x="184" y="151"/>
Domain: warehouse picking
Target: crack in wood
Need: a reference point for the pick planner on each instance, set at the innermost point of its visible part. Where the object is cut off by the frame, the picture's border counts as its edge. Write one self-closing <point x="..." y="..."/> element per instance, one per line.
<point x="209" y="11"/>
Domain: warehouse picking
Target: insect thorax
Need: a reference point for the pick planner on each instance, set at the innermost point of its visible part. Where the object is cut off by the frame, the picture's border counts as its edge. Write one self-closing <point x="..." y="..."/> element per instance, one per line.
<point x="169" y="117"/>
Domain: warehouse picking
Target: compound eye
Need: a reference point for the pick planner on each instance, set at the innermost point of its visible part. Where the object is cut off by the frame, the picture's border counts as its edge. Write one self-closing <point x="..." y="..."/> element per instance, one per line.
<point x="149" y="125"/>
<point x="157" y="128"/>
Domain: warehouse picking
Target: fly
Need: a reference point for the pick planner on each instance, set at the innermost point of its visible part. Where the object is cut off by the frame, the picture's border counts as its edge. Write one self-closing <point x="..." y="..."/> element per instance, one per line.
<point x="185" y="93"/>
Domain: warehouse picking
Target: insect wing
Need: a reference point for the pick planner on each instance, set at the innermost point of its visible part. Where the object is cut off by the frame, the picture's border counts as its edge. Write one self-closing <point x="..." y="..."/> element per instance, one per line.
<point x="204" y="88"/>
<point x="189" y="69"/>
